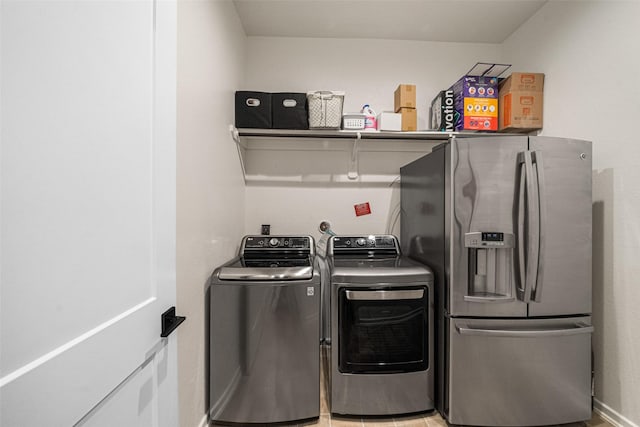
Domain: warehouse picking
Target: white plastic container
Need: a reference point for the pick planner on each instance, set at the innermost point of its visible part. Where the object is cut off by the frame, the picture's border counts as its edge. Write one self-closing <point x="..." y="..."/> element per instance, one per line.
<point x="325" y="109"/>
<point x="353" y="121"/>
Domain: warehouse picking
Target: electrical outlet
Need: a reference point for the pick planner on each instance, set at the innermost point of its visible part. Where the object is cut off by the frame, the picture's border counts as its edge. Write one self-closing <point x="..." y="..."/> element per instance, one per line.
<point x="265" y="229"/>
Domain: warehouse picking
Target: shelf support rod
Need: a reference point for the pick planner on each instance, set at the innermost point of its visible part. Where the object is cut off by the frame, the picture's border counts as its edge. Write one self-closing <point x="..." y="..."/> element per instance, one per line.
<point x="353" y="164"/>
<point x="235" y="135"/>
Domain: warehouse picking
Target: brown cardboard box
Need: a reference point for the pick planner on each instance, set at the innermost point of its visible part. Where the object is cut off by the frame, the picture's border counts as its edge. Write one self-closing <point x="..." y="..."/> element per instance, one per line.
<point x="409" y="119"/>
<point x="404" y="97"/>
<point x="520" y="102"/>
<point x="528" y="82"/>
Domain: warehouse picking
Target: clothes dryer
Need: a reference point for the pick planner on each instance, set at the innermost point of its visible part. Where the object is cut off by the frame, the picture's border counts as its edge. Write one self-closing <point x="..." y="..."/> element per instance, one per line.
<point x="381" y="357"/>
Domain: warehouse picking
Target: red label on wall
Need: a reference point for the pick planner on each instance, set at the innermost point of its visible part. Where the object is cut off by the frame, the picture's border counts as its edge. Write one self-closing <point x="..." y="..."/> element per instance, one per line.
<point x="362" y="209"/>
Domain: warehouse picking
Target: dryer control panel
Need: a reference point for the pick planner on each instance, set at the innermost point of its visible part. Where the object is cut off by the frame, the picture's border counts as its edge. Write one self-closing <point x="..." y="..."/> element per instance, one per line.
<point x="370" y="243"/>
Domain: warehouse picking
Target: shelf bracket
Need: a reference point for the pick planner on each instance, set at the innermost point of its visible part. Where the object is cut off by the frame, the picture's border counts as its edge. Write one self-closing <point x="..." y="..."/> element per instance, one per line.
<point x="235" y="135"/>
<point x="353" y="162"/>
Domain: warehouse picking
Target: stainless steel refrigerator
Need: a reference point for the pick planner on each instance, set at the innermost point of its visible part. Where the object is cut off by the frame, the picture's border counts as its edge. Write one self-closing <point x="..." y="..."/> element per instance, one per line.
<point x="505" y="223"/>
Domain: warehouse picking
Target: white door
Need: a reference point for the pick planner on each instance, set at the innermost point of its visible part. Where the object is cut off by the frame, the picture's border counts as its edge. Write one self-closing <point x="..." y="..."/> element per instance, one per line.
<point x="87" y="213"/>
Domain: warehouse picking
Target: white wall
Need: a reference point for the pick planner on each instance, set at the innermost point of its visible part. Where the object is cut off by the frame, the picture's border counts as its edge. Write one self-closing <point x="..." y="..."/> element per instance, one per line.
<point x="589" y="54"/>
<point x="210" y="189"/>
<point x="291" y="210"/>
<point x="369" y="72"/>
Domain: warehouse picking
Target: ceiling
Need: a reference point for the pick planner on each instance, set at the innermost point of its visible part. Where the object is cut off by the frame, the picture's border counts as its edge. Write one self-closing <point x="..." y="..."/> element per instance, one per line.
<point x="464" y="21"/>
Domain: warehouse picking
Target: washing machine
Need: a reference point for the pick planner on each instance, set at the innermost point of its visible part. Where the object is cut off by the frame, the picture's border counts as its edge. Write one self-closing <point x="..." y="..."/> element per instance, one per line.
<point x="264" y="345"/>
<point x="381" y="354"/>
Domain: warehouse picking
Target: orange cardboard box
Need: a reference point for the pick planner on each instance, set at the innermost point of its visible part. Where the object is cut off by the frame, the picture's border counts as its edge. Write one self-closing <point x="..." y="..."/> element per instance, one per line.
<point x="527" y="82"/>
<point x="520" y="102"/>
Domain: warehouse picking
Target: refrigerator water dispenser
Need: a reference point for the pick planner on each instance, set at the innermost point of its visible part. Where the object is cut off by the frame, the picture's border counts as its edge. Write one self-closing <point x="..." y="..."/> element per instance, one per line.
<point x="490" y="266"/>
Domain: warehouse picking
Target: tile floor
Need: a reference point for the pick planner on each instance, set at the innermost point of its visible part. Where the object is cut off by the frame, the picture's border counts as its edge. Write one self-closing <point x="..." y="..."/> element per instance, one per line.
<point x="429" y="419"/>
<point x="426" y="420"/>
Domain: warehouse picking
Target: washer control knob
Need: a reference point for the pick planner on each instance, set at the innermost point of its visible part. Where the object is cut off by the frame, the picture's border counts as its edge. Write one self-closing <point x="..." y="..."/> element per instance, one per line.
<point x="361" y="242"/>
<point x="273" y="242"/>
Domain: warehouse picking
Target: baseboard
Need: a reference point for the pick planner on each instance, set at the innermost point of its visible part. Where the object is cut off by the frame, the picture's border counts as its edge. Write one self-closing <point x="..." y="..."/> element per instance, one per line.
<point x="611" y="416"/>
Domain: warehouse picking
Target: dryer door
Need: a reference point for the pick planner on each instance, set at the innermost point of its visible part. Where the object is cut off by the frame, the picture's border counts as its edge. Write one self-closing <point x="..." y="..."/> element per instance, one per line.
<point x="383" y="330"/>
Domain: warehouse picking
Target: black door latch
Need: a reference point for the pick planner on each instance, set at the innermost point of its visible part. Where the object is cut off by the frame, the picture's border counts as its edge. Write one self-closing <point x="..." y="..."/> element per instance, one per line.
<point x="170" y="321"/>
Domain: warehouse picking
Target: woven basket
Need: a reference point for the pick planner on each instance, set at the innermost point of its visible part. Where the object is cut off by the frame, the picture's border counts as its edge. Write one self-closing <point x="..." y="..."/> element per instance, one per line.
<point x="325" y="109"/>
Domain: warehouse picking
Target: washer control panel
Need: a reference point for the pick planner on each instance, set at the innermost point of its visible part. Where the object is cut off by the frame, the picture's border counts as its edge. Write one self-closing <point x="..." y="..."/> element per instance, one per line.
<point x="277" y="242"/>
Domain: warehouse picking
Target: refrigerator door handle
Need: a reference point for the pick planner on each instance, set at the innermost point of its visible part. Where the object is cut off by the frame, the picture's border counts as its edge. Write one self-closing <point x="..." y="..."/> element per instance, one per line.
<point x="520" y="288"/>
<point x="579" y="328"/>
<point x="492" y="299"/>
<point x="536" y="157"/>
<point x="533" y="225"/>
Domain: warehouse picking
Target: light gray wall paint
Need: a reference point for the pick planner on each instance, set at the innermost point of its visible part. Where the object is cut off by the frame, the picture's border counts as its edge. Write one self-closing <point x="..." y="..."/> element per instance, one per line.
<point x="210" y="188"/>
<point x="369" y="71"/>
<point x="589" y="54"/>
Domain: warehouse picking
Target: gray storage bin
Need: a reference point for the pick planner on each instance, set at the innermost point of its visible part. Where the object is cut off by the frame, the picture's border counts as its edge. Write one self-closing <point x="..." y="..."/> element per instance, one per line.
<point x="325" y="109"/>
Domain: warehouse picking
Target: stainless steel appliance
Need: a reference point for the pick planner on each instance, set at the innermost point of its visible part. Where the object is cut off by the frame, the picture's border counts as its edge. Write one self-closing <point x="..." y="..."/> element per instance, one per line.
<point x="381" y="354"/>
<point x="265" y="333"/>
<point x="505" y="223"/>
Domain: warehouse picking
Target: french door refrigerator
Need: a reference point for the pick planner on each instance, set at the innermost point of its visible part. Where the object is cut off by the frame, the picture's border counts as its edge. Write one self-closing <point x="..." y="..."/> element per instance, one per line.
<point x="505" y="223"/>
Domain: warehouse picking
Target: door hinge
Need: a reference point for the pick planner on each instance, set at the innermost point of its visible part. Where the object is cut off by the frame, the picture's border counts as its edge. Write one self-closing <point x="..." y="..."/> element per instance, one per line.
<point x="170" y="321"/>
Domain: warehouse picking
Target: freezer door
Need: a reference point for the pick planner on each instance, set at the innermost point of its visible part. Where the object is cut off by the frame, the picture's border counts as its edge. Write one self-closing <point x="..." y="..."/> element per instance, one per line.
<point x="484" y="193"/>
<point x="563" y="285"/>
<point x="519" y="372"/>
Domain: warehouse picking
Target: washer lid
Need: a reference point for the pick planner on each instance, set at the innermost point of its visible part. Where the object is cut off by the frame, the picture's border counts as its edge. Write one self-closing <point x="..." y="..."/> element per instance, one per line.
<point x="271" y="258"/>
<point x="265" y="273"/>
